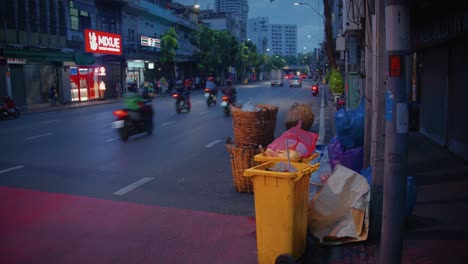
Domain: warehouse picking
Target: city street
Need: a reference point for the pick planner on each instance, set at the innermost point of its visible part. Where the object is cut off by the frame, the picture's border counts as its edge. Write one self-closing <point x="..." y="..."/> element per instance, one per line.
<point x="68" y="168"/>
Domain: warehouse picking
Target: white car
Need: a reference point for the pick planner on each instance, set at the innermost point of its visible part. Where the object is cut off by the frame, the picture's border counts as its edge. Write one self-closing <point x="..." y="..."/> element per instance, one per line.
<point x="295" y="82"/>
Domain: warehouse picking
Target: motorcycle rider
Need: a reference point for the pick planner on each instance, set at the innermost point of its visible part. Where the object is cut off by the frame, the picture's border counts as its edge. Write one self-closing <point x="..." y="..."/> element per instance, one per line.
<point x="132" y="102"/>
<point x="229" y="91"/>
<point x="212" y="86"/>
<point x="182" y="90"/>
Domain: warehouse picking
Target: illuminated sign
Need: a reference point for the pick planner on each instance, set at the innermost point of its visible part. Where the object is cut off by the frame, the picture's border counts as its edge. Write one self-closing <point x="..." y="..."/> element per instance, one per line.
<point x="101" y="71"/>
<point x="17" y="61"/>
<point x="102" y="42"/>
<point x="395" y="65"/>
<point x="150" y="42"/>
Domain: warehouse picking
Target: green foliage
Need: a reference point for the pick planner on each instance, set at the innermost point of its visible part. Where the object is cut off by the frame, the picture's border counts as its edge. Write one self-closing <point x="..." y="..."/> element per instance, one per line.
<point x="336" y="82"/>
<point x="169" y="45"/>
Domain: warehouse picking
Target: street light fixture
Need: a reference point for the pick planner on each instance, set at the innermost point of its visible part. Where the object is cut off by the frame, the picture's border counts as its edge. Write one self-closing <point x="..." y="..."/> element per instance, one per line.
<point x="298" y="4"/>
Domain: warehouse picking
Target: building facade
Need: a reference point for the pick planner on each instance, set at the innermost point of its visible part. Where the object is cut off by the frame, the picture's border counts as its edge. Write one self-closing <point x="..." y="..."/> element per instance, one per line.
<point x="272" y="39"/>
<point x="238" y="7"/>
<point x="222" y="21"/>
<point x="87" y="49"/>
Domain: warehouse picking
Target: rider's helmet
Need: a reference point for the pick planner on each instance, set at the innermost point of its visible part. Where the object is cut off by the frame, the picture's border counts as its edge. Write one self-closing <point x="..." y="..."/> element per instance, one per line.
<point x="228" y="82"/>
<point x="179" y="84"/>
<point x="210" y="79"/>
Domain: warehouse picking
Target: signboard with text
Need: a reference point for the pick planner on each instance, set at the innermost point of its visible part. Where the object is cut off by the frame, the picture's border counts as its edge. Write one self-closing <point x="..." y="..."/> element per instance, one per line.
<point x="150" y="42"/>
<point x="102" y="42"/>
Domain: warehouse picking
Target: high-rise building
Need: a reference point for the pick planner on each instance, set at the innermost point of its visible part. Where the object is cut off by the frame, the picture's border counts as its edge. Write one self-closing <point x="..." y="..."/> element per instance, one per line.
<point x="279" y="39"/>
<point x="239" y="8"/>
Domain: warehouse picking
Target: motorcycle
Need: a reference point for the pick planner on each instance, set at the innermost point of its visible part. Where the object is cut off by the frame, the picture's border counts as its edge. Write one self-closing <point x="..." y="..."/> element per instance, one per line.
<point x="210" y="97"/>
<point x="315" y="90"/>
<point x="128" y="124"/>
<point x="227" y="102"/>
<point x="182" y="101"/>
<point x="9" y="109"/>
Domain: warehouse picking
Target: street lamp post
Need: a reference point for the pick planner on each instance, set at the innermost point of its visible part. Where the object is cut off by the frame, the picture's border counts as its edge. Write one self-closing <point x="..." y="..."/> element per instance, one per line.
<point x="315" y="10"/>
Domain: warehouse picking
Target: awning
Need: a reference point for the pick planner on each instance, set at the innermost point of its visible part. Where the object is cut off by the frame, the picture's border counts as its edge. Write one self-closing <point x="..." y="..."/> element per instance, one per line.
<point x="84" y="58"/>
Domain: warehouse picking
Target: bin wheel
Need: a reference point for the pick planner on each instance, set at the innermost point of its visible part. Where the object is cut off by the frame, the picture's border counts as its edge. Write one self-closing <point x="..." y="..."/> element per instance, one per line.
<point x="285" y="259"/>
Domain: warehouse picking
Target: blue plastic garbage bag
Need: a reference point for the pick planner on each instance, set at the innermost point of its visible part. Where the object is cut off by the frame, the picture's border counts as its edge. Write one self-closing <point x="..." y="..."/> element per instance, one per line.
<point x="324" y="168"/>
<point x="350" y="126"/>
<point x="350" y="158"/>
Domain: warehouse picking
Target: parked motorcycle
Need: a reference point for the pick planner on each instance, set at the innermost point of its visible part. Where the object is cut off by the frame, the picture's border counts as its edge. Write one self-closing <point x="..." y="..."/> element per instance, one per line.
<point x="315" y="90"/>
<point x="182" y="101"/>
<point x="9" y="109"/>
<point x="210" y="97"/>
<point x="227" y="102"/>
<point x="130" y="123"/>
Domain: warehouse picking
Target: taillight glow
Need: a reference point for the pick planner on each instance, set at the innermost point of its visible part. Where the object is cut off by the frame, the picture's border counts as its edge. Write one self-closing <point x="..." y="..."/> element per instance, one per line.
<point x="175" y="95"/>
<point x="207" y="90"/>
<point x="120" y="113"/>
<point x="225" y="98"/>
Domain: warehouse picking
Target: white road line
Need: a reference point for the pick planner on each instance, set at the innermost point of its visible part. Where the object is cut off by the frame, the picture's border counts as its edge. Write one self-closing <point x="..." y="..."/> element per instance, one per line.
<point x="49" y="121"/>
<point x="112" y="139"/>
<point x="322" y="121"/>
<point x="12" y="168"/>
<point x="212" y="143"/>
<point x="165" y="124"/>
<point x="202" y="113"/>
<point x="38" y="136"/>
<point x="133" y="186"/>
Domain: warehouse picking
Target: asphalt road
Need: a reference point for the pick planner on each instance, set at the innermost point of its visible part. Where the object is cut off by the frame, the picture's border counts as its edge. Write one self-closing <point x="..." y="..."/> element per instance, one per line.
<point x="184" y="164"/>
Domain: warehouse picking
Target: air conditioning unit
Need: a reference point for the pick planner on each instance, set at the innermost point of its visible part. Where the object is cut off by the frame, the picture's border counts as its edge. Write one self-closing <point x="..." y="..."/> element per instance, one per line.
<point x="353" y="14"/>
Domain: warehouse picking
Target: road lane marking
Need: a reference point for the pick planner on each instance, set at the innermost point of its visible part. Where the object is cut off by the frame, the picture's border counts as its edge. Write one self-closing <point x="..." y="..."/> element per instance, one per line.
<point x="212" y="143"/>
<point x="49" y="121"/>
<point x="133" y="186"/>
<point x="38" y="136"/>
<point x="202" y="113"/>
<point x="322" y="121"/>
<point x="12" y="168"/>
<point x="112" y="139"/>
<point x="168" y="123"/>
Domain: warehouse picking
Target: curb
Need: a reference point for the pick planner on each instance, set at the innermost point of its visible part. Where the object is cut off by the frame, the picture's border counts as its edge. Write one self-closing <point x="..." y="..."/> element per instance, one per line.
<point x="47" y="109"/>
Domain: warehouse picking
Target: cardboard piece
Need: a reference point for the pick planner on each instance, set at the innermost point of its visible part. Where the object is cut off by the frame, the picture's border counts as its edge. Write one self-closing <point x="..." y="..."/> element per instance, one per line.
<point x="339" y="212"/>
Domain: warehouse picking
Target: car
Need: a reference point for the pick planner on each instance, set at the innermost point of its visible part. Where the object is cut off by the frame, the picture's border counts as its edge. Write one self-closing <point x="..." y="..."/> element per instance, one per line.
<point x="295" y="81"/>
<point x="278" y="82"/>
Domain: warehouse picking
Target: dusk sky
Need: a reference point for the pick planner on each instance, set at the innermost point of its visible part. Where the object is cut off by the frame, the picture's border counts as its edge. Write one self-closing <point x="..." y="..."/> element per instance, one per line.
<point x="284" y="12"/>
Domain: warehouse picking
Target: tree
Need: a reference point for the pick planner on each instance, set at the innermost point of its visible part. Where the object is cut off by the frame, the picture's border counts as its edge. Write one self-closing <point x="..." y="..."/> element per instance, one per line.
<point x="217" y="50"/>
<point x="169" y="46"/>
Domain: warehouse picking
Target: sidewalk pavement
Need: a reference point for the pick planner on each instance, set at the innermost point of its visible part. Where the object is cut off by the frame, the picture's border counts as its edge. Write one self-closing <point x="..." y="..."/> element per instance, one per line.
<point x="437" y="230"/>
<point x="42" y="108"/>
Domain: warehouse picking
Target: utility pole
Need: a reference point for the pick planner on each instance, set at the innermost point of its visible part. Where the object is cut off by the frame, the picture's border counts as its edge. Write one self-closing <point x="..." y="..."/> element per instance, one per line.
<point x="396" y="131"/>
<point x="377" y="148"/>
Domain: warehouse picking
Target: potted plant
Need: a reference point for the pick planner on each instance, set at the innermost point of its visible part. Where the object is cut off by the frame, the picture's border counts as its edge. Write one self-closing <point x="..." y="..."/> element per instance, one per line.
<point x="336" y="84"/>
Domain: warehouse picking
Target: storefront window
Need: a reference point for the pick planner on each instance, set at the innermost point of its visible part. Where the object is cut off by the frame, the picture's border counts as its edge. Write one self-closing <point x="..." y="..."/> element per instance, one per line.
<point x="86" y="84"/>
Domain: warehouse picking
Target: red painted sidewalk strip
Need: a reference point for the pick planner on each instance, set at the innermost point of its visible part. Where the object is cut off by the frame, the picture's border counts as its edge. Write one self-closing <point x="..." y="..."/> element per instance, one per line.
<point x="40" y="227"/>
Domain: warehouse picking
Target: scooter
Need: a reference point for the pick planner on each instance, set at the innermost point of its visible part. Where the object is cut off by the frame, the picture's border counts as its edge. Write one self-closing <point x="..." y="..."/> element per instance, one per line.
<point x="182" y="101"/>
<point x="210" y="97"/>
<point x="127" y="125"/>
<point x="315" y="90"/>
<point x="226" y="104"/>
<point x="9" y="109"/>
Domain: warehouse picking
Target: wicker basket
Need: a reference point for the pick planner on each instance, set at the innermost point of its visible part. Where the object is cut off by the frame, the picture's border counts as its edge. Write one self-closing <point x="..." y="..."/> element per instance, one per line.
<point x="300" y="112"/>
<point x="254" y="128"/>
<point x="242" y="158"/>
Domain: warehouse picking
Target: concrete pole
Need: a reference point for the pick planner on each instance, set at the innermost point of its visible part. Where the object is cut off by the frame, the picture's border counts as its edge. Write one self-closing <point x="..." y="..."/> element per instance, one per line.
<point x="377" y="151"/>
<point x="367" y="65"/>
<point x="396" y="136"/>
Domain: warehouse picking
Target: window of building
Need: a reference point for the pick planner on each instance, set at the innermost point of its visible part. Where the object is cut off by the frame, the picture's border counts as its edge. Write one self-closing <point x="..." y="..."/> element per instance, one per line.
<point x="74" y="19"/>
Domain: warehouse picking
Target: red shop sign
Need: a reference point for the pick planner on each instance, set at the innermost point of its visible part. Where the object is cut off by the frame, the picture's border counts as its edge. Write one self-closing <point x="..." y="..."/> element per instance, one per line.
<point x="102" y="42"/>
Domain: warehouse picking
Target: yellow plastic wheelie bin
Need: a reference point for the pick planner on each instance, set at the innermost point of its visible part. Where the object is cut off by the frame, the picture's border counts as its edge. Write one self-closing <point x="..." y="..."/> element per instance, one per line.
<point x="281" y="203"/>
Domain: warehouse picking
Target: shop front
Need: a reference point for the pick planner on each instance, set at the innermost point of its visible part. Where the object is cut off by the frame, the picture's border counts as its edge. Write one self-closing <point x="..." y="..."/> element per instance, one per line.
<point x="87" y="83"/>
